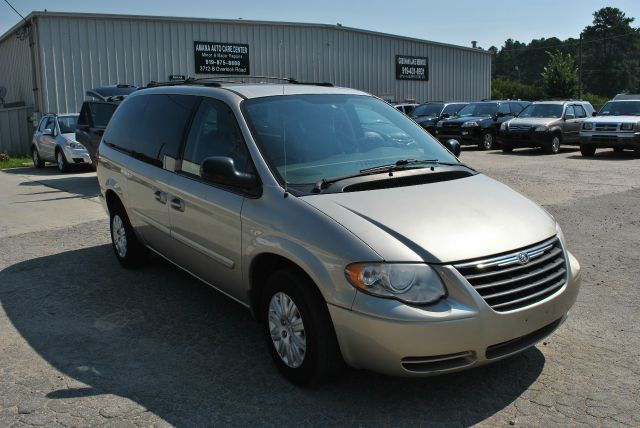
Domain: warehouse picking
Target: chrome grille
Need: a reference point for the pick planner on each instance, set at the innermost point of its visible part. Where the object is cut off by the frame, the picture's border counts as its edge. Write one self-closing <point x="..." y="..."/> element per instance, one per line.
<point x="519" y="128"/>
<point x="606" y="127"/>
<point x="518" y="279"/>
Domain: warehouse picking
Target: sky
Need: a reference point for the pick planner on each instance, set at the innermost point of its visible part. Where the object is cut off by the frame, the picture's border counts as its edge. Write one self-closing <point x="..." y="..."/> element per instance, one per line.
<point x="455" y="22"/>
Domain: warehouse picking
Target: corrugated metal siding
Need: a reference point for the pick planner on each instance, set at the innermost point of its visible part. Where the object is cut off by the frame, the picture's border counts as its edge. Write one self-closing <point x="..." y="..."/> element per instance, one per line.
<point x="15" y="130"/>
<point x="15" y="70"/>
<point x="77" y="54"/>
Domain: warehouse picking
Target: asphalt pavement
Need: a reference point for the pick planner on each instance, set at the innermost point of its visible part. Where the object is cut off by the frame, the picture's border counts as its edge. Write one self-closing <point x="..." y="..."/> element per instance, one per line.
<point x="84" y="342"/>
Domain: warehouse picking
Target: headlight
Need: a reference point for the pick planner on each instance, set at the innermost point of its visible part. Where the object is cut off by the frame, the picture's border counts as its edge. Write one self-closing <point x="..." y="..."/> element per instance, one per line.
<point x="541" y="129"/>
<point x="504" y="126"/>
<point x="73" y="145"/>
<point x="626" y="127"/>
<point x="587" y="125"/>
<point x="470" y="124"/>
<point x="409" y="283"/>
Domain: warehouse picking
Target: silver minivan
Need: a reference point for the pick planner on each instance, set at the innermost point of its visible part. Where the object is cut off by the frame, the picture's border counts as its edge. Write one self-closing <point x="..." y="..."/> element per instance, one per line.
<point x="350" y="233"/>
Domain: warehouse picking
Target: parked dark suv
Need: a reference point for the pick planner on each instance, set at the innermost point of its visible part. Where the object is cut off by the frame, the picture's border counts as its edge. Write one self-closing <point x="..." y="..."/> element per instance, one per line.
<point x="478" y="123"/>
<point x="545" y="124"/>
<point x="95" y="115"/>
<point x="428" y="114"/>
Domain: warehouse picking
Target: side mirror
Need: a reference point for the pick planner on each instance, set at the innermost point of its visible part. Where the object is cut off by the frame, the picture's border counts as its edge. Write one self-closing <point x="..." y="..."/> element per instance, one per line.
<point x="48" y="131"/>
<point x="569" y="116"/>
<point x="499" y="114"/>
<point x="594" y="114"/>
<point x="453" y="146"/>
<point x="222" y="170"/>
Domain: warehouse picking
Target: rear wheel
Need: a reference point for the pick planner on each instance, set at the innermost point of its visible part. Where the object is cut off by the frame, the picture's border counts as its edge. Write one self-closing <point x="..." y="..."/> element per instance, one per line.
<point x="126" y="246"/>
<point x="61" y="162"/>
<point x="298" y="328"/>
<point x="587" y="150"/>
<point x="35" y="156"/>
<point x="553" y="147"/>
<point x="487" y="141"/>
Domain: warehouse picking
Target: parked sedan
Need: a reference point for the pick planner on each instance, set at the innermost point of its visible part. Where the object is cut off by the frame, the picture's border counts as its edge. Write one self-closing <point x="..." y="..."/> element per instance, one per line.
<point x="545" y="124"/>
<point x="54" y="141"/>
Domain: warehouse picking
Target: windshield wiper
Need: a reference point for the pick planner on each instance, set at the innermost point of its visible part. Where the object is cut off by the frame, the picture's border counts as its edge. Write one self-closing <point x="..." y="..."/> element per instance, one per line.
<point x="396" y="166"/>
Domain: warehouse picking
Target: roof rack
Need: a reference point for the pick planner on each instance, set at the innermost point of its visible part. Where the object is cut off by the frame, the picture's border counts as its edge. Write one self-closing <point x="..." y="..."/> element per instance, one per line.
<point x="217" y="81"/>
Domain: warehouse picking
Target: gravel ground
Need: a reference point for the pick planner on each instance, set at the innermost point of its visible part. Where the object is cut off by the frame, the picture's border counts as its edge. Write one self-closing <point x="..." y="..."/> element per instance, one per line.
<point x="84" y="342"/>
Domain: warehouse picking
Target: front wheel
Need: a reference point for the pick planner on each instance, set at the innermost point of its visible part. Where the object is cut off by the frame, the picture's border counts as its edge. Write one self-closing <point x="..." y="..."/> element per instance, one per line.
<point x="553" y="146"/>
<point x="487" y="142"/>
<point x="298" y="328"/>
<point x="61" y="162"/>
<point x="37" y="161"/>
<point x="587" y="150"/>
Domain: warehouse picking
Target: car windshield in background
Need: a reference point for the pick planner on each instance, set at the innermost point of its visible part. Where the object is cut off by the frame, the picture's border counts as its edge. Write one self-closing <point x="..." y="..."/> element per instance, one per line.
<point x="620" y="108"/>
<point x="542" y="110"/>
<point x="479" y="109"/>
<point x="101" y="113"/>
<point x="427" y="110"/>
<point x="307" y="138"/>
<point x="67" y="124"/>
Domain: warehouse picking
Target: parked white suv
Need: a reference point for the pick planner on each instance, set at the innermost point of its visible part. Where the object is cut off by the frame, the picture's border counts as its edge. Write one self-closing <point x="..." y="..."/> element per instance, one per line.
<point x="349" y="239"/>
<point x="616" y="126"/>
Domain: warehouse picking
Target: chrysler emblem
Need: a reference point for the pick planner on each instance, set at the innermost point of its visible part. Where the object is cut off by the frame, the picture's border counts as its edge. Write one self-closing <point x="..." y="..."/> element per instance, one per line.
<point x="523" y="258"/>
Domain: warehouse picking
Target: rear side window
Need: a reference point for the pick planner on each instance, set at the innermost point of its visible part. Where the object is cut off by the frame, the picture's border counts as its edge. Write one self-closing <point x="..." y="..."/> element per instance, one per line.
<point x="151" y="126"/>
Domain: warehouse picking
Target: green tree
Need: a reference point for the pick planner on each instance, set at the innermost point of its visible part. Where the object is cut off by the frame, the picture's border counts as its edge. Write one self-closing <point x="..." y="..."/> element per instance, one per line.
<point x="560" y="76"/>
<point x="611" y="50"/>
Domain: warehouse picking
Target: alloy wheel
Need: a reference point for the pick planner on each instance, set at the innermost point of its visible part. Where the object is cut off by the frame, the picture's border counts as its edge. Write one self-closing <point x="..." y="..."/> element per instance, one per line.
<point x="487" y="141"/>
<point x="35" y="157"/>
<point x="119" y="235"/>
<point x="555" y="144"/>
<point x="287" y="330"/>
<point x="60" y="161"/>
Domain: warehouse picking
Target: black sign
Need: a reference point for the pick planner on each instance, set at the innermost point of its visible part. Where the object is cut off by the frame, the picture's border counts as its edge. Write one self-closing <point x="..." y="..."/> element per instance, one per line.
<point x="173" y="77"/>
<point x="412" y="68"/>
<point x="221" y="58"/>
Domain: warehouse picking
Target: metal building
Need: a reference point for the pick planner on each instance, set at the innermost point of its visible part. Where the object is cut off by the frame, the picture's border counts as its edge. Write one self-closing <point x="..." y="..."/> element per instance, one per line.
<point x="49" y="61"/>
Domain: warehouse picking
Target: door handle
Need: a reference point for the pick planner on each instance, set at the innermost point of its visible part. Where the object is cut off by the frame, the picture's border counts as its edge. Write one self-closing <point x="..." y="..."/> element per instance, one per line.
<point x="160" y="196"/>
<point x="177" y="204"/>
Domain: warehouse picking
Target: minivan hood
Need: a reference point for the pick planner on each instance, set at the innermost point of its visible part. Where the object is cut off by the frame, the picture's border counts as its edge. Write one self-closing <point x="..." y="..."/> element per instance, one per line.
<point x="440" y="222"/>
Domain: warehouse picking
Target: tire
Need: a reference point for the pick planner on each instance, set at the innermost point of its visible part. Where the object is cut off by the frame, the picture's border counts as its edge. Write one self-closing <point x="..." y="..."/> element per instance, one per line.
<point x="506" y="147"/>
<point x="126" y="246"/>
<point x="61" y="162"/>
<point x="313" y="356"/>
<point x="553" y="147"/>
<point x="587" y="150"/>
<point x="35" y="157"/>
<point x="487" y="141"/>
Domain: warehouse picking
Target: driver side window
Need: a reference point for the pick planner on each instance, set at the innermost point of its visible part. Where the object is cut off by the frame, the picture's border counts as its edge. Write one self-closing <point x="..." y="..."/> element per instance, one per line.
<point x="214" y="132"/>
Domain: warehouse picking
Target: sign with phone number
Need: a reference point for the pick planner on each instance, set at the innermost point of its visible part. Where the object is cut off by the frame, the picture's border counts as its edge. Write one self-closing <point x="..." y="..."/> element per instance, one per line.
<point x="221" y="58"/>
<point x="412" y="68"/>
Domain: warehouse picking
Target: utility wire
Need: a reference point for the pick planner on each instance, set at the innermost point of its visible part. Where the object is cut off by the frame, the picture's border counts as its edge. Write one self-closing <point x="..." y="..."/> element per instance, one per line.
<point x="566" y="44"/>
<point x="14" y="9"/>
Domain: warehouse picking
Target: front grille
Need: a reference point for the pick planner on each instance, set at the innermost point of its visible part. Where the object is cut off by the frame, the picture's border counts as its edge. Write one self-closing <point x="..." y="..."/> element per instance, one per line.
<point x="518" y="279"/>
<point x="519" y="128"/>
<point x="604" y="139"/>
<point x="606" y="127"/>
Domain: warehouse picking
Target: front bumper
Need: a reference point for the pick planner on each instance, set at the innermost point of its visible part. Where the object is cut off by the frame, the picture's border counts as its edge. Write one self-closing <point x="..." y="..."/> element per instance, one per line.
<point x="458" y="333"/>
<point x="77" y="156"/>
<point x="463" y="135"/>
<point x="622" y="140"/>
<point x="526" y="139"/>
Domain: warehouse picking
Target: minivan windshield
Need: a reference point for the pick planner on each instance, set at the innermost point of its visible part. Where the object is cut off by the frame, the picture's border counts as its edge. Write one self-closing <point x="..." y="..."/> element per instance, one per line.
<point x="542" y="110"/>
<point x="620" y="108"/>
<point x="431" y="109"/>
<point x="478" y="109"/>
<point x="307" y="138"/>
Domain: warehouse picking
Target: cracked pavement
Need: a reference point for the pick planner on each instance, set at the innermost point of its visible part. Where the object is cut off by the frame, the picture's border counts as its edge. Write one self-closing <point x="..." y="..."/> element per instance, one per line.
<point x="84" y="342"/>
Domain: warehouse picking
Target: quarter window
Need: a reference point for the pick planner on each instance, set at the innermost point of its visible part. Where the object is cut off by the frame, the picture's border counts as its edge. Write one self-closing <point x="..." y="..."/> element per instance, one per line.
<point x="214" y="132"/>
